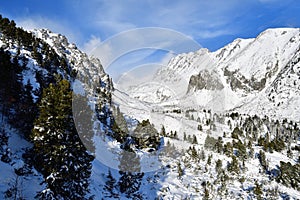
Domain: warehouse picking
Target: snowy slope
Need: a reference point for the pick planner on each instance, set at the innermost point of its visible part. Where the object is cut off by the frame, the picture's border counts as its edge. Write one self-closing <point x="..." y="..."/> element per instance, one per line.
<point x="244" y="71"/>
<point x="172" y="90"/>
<point x="88" y="68"/>
<point x="16" y="175"/>
<point x="182" y="99"/>
<point x="252" y="76"/>
<point x="85" y="75"/>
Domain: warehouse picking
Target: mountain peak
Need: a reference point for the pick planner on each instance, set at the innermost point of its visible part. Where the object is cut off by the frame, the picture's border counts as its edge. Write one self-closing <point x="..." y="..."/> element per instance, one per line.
<point x="243" y="69"/>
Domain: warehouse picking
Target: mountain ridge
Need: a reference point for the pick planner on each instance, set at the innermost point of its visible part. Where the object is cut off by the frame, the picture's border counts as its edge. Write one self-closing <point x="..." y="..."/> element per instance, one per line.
<point x="198" y="153"/>
<point x="245" y="68"/>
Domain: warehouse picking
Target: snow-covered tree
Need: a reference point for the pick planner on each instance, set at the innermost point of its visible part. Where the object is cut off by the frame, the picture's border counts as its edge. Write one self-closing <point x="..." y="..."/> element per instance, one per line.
<point x="59" y="152"/>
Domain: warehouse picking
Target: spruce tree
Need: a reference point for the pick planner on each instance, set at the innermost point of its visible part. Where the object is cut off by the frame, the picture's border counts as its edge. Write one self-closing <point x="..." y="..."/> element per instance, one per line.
<point x="129" y="170"/>
<point x="109" y="187"/>
<point x="59" y="153"/>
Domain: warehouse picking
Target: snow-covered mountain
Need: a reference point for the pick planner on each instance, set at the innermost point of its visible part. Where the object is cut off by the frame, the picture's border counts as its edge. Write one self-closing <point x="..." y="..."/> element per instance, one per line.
<point x="197" y="154"/>
<point x="203" y="99"/>
<point x="30" y="62"/>
<point x="258" y="76"/>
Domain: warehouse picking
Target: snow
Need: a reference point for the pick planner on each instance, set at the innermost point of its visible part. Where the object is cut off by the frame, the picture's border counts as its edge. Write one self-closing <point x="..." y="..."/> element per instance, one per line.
<point x="9" y="178"/>
<point x="157" y="101"/>
<point x="78" y="87"/>
<point x="265" y="56"/>
<point x="252" y="57"/>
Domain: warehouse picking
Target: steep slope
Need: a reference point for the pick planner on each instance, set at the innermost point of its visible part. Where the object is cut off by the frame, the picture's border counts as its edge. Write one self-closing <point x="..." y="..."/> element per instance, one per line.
<point x="229" y="119"/>
<point x="31" y="62"/>
<point x="198" y="153"/>
<point x="245" y="70"/>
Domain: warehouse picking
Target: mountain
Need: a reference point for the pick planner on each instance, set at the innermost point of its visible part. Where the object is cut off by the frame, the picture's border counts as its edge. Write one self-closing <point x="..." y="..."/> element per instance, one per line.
<point x="67" y="133"/>
<point x="235" y="108"/>
<point x="61" y="134"/>
<point x="41" y="73"/>
<point x="255" y="76"/>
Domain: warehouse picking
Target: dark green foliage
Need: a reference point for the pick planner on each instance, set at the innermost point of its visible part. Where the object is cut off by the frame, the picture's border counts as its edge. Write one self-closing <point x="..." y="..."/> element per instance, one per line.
<point x="163" y="131"/>
<point x="120" y="120"/>
<point x="194" y="141"/>
<point x="179" y="170"/>
<point x="289" y="175"/>
<point x="118" y="126"/>
<point x="218" y="166"/>
<point x="193" y="152"/>
<point x="258" y="190"/>
<point x="118" y="134"/>
<point x="228" y="149"/>
<point x="172" y="134"/>
<point x="262" y="160"/>
<point x="202" y="154"/>
<point x="234" y="115"/>
<point x="219" y="145"/>
<point x="206" y="194"/>
<point x="146" y="136"/>
<point x="234" y="165"/>
<point x="277" y="144"/>
<point x="17" y="101"/>
<point x="210" y="142"/>
<point x="209" y="159"/>
<point x="83" y="118"/>
<point x="59" y="152"/>
<point x="131" y="176"/>
<point x="28" y="41"/>
<point x="241" y="149"/>
<point x="109" y="187"/>
<point x="200" y="127"/>
<point x="236" y="133"/>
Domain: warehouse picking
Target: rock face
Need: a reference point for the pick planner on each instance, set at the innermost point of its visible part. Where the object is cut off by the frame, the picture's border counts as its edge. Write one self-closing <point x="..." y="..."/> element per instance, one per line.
<point x="238" y="81"/>
<point x="258" y="76"/>
<point x="205" y="80"/>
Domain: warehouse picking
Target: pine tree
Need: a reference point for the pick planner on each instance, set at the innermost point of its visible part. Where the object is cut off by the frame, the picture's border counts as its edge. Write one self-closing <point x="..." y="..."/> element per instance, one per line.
<point x="202" y="154"/>
<point x="218" y="166"/>
<point x="129" y="170"/>
<point x="180" y="170"/>
<point x="219" y="145"/>
<point x="209" y="159"/>
<point x="83" y="118"/>
<point x="257" y="190"/>
<point x="194" y="141"/>
<point x="27" y="110"/>
<point x="110" y="186"/>
<point x="206" y="194"/>
<point x="163" y="131"/>
<point x="262" y="159"/>
<point x="234" y="165"/>
<point x="59" y="153"/>
<point x="193" y="152"/>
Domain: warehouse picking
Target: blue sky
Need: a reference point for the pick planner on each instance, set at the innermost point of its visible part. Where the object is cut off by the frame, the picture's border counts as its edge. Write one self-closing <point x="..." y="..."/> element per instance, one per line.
<point x="212" y="23"/>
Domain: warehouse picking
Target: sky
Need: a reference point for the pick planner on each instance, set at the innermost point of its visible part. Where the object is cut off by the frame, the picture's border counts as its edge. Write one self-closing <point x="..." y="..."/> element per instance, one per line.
<point x="212" y="23"/>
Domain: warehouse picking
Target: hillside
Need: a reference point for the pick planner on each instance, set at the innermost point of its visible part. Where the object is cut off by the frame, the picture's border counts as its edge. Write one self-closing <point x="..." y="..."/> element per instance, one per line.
<point x="207" y="127"/>
<point x="257" y="76"/>
<point x="202" y="99"/>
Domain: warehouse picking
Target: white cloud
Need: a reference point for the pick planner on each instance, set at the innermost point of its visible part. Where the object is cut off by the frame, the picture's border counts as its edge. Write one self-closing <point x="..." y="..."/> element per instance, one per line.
<point x="93" y="43"/>
<point x="143" y="38"/>
<point x="212" y="34"/>
<point x="188" y="17"/>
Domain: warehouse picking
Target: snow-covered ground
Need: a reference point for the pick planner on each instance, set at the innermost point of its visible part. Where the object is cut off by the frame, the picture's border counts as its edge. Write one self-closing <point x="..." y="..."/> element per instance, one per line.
<point x="166" y="102"/>
<point x="17" y="176"/>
